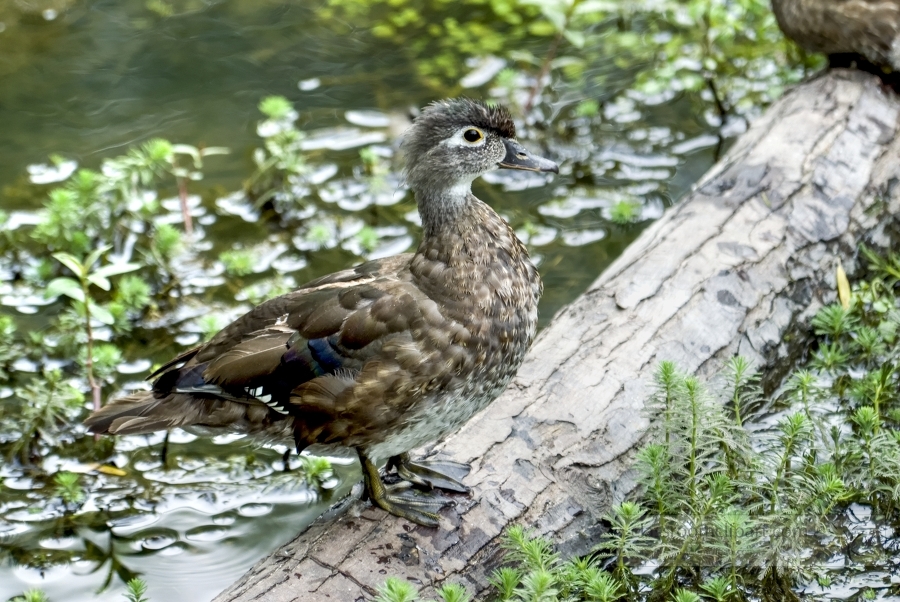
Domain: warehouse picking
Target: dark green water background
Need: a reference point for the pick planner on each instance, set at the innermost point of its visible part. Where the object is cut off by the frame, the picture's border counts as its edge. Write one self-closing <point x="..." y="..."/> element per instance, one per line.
<point x="101" y="75"/>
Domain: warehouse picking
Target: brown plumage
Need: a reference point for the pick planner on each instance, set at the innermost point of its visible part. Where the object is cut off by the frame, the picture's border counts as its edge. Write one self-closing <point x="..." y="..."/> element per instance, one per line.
<point x="868" y="28"/>
<point x="384" y="357"/>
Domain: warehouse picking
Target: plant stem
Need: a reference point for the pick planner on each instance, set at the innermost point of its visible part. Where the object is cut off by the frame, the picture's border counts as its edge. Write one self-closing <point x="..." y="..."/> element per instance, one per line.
<point x="783" y="469"/>
<point x="737" y="405"/>
<point x="185" y="211"/>
<point x="694" y="444"/>
<point x="89" y="361"/>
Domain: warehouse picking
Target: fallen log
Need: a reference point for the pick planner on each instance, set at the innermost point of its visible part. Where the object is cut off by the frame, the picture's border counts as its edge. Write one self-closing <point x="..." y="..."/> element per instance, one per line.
<point x="735" y="268"/>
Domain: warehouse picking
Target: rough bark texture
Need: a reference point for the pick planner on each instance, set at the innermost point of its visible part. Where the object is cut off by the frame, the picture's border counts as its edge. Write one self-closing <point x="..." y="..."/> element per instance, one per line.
<point x="734" y="268"/>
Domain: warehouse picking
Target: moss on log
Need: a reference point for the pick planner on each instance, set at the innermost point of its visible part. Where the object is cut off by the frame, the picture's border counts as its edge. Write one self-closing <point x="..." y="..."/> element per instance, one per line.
<point x="736" y="268"/>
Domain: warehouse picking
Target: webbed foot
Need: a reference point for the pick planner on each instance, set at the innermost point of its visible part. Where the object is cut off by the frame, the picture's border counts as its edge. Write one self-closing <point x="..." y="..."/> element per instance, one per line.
<point x="440" y="474"/>
<point x="400" y="500"/>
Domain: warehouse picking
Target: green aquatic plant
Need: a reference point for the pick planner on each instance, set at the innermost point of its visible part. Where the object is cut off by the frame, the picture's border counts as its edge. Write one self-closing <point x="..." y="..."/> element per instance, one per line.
<point x="316" y="470"/>
<point x="453" y="592"/>
<point x="368" y="239"/>
<point x="238" y="262"/>
<point x="32" y="595"/>
<point x="68" y="488"/>
<point x="505" y="580"/>
<point x="625" y="211"/>
<point x="210" y="324"/>
<point x="136" y="590"/>
<point x="9" y="350"/>
<point x="684" y="595"/>
<point x="185" y="163"/>
<point x="79" y="291"/>
<point x="625" y="540"/>
<point x="280" y="163"/>
<point x="396" y="590"/>
<point x="834" y="320"/>
<point x="46" y="405"/>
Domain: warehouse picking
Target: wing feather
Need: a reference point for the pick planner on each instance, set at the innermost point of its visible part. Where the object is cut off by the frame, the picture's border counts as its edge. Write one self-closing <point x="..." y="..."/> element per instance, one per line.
<point x="250" y="360"/>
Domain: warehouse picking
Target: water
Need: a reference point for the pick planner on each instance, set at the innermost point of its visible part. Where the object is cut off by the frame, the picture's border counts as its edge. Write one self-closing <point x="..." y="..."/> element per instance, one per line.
<point x="86" y="79"/>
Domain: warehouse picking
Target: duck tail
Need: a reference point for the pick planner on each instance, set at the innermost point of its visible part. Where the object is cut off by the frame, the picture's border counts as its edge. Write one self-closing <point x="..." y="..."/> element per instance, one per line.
<point x="129" y="415"/>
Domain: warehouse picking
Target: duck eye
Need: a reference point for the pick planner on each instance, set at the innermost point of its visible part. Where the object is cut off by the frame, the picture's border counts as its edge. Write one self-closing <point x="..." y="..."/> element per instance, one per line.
<point x="472" y="135"/>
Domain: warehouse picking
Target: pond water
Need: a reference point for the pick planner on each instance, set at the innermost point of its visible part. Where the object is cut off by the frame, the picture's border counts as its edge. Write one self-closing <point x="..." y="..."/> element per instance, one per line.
<point x="87" y="79"/>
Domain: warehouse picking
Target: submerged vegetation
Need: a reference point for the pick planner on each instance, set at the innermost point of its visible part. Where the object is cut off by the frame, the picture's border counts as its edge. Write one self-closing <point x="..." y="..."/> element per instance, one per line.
<point x="113" y="260"/>
<point x="726" y="513"/>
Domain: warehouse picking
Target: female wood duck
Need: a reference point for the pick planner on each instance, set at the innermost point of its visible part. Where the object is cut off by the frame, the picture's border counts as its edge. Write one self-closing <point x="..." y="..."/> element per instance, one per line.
<point x="842" y="28"/>
<point x="387" y="356"/>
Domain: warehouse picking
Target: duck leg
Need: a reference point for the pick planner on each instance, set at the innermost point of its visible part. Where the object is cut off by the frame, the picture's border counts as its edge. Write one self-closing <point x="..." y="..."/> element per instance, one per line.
<point x="400" y="500"/>
<point x="440" y="474"/>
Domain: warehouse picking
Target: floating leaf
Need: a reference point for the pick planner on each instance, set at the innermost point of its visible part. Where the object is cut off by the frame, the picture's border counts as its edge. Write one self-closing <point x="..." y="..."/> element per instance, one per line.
<point x="111" y="470"/>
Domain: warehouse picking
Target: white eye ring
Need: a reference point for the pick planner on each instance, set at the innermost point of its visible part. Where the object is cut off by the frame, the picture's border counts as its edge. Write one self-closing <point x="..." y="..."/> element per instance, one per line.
<point x="459" y="138"/>
<point x="473" y="135"/>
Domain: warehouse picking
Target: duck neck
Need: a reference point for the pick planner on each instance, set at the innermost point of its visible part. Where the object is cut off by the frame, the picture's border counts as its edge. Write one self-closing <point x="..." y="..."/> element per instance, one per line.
<point x="460" y="230"/>
<point x="442" y="209"/>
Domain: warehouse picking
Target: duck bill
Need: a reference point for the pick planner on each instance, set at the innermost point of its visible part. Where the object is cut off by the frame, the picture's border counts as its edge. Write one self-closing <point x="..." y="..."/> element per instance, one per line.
<point x="518" y="158"/>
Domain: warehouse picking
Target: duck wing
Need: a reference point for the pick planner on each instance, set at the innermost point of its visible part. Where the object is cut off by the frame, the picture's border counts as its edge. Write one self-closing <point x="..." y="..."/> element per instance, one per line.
<point x="294" y="338"/>
<point x="323" y="329"/>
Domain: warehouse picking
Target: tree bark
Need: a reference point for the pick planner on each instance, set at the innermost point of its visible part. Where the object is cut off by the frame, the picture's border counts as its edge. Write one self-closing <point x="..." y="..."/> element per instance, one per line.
<point x="737" y="267"/>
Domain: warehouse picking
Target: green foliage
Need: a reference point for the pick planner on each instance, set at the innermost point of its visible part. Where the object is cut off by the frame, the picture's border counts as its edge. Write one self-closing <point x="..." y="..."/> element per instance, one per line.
<point x="453" y="592"/>
<point x="625" y="211"/>
<point x="316" y="470"/>
<point x="280" y="164"/>
<point x="9" y="350"/>
<point x="319" y="234"/>
<point x="368" y="239"/>
<point x="136" y="588"/>
<point x="396" y="590"/>
<point x="625" y="538"/>
<point x="833" y="321"/>
<point x="683" y="595"/>
<point x="587" y="108"/>
<point x="132" y="293"/>
<point x="79" y="291"/>
<point x="278" y="108"/>
<point x="68" y="488"/>
<point x="166" y="242"/>
<point x="86" y="276"/>
<point x="32" y="595"/>
<point x="443" y="34"/>
<point x="505" y="580"/>
<point x="46" y="404"/>
<point x="238" y="262"/>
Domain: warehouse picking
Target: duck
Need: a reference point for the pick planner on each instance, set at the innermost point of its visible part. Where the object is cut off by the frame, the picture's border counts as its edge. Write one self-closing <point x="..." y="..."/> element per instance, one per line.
<point x="384" y="357"/>
<point x="846" y="30"/>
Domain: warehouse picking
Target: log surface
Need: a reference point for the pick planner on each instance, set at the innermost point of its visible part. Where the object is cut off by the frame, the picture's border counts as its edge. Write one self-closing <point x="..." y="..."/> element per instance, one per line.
<point x="744" y="260"/>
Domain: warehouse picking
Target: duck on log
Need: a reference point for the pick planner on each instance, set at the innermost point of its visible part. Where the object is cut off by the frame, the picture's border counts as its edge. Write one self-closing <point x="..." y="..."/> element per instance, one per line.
<point x="740" y="263"/>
